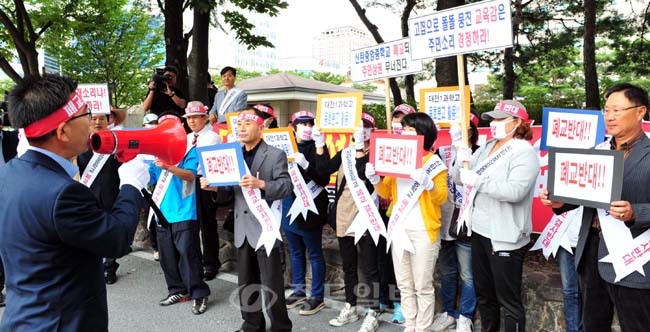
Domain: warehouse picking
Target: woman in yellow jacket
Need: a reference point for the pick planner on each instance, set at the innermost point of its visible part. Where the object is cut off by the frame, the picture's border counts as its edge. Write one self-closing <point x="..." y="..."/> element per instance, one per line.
<point x="418" y="226"/>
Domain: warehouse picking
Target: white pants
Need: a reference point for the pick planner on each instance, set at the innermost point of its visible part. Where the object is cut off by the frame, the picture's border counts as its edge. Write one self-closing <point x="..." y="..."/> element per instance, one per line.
<point x="414" y="276"/>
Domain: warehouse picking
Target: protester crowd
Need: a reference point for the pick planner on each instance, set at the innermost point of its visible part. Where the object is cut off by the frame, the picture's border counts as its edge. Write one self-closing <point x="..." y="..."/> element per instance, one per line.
<point x="469" y="217"/>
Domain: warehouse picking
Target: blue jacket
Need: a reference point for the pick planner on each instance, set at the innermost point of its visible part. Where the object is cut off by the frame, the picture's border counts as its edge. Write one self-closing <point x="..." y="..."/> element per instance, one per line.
<point x="53" y="235"/>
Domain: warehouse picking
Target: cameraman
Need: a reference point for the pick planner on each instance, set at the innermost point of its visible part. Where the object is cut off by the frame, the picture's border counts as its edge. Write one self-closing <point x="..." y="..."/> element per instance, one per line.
<point x="163" y="94"/>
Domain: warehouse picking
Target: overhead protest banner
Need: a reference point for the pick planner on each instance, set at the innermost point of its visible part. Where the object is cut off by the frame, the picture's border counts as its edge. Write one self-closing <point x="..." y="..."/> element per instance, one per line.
<point x="443" y="105"/>
<point x="283" y="139"/>
<point x="339" y="112"/>
<point x="385" y="60"/>
<point x="571" y="128"/>
<point x="223" y="164"/>
<point x="589" y="177"/>
<point x="475" y="27"/>
<point x="396" y="155"/>
<point x="96" y="96"/>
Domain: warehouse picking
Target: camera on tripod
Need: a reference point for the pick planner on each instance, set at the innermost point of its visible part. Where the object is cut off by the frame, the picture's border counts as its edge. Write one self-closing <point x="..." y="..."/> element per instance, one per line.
<point x="160" y="79"/>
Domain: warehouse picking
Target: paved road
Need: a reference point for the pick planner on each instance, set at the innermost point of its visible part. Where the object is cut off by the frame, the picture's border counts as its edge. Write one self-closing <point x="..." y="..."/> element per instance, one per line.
<point x="133" y="304"/>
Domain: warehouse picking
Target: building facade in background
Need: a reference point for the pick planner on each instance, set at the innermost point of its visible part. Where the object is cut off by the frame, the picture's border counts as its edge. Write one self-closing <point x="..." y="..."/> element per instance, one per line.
<point x="331" y="48"/>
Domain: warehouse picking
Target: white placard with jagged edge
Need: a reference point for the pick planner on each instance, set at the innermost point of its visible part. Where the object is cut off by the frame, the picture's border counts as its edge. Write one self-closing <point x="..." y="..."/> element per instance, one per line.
<point x="555" y="234"/>
<point x="304" y="201"/>
<point x="368" y="218"/>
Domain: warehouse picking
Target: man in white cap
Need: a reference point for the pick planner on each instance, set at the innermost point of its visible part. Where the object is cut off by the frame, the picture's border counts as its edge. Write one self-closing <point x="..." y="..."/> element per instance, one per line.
<point x="180" y="252"/>
<point x="202" y="135"/>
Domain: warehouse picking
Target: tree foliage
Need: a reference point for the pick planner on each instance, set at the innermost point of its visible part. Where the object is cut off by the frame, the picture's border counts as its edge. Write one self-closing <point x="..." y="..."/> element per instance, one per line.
<point x="122" y="48"/>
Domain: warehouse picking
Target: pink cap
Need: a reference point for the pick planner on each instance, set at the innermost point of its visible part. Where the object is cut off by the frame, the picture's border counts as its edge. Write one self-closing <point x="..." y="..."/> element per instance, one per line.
<point x="506" y="108"/>
<point x="369" y="118"/>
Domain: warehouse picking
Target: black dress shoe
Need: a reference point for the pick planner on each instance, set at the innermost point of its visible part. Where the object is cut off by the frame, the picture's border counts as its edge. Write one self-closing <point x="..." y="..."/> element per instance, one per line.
<point x="110" y="277"/>
<point x="209" y="275"/>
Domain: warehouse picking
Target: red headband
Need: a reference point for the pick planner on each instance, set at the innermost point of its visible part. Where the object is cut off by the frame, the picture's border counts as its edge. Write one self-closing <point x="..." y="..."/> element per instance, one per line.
<point x="195" y="110"/>
<point x="265" y="109"/>
<point x="250" y="117"/>
<point x="473" y="119"/>
<point x="302" y="114"/>
<point x="61" y="115"/>
<point x="369" y="118"/>
<point x="404" y="108"/>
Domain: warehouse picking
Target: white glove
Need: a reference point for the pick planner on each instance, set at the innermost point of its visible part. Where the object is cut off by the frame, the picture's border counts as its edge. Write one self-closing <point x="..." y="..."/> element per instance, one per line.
<point x="319" y="139"/>
<point x="299" y="159"/>
<point x="456" y="134"/>
<point x="421" y="177"/>
<point x="135" y="173"/>
<point x="463" y="154"/>
<point x="468" y="177"/>
<point x="371" y="175"/>
<point x="358" y="138"/>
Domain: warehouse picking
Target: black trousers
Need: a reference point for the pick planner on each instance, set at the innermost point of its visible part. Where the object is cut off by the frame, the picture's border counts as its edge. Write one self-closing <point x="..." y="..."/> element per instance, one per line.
<point x="497" y="282"/>
<point x="180" y="258"/>
<point x="388" y="291"/>
<point x="600" y="298"/>
<point x="367" y="254"/>
<point x="206" y="211"/>
<point x="110" y="265"/>
<point x="259" y="273"/>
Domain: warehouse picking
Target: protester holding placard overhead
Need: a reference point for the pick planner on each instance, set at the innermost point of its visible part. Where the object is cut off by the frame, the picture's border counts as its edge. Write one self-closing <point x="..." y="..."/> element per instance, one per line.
<point x="414" y="224"/>
<point x="497" y="204"/>
<point x="455" y="260"/>
<point x="610" y="254"/>
<point x="303" y="227"/>
<point x="350" y="164"/>
<point x="230" y="99"/>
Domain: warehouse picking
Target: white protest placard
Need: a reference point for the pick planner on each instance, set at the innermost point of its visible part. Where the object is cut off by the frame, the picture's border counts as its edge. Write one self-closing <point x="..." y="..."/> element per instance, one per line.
<point x="580" y="129"/>
<point x="385" y="60"/>
<point x="96" y="96"/>
<point x="443" y="104"/>
<point x="586" y="177"/>
<point x="339" y="112"/>
<point x="281" y="138"/>
<point x="223" y="164"/>
<point x="466" y="29"/>
<point x="396" y="155"/>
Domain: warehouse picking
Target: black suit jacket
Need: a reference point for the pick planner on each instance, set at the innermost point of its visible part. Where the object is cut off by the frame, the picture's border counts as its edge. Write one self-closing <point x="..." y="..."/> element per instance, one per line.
<point x="53" y="235"/>
<point x="107" y="183"/>
<point x="9" y="144"/>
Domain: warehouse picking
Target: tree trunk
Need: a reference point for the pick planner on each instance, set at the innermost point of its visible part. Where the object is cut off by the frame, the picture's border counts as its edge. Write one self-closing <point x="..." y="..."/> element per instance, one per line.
<point x="447" y="68"/>
<point x="592" y="97"/>
<point x="198" y="60"/>
<point x="374" y="31"/>
<point x="510" y="77"/>
<point x="175" y="44"/>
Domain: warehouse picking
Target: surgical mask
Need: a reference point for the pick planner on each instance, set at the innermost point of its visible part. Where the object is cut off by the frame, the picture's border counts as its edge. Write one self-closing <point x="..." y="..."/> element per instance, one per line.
<point x="498" y="129"/>
<point x="366" y="134"/>
<point x="303" y="132"/>
<point x="397" y="127"/>
<point x="409" y="133"/>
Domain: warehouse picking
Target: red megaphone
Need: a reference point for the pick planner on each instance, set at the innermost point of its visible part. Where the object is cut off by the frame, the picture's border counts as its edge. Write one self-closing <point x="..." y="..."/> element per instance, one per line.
<point x="167" y="141"/>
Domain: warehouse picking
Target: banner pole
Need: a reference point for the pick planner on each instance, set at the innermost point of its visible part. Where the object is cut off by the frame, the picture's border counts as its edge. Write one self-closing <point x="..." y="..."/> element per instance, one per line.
<point x="463" y="115"/>
<point x="389" y="128"/>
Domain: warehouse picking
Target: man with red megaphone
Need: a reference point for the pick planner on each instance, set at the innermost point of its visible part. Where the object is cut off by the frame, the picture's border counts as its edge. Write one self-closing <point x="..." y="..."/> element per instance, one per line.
<point x="53" y="231"/>
<point x="174" y="194"/>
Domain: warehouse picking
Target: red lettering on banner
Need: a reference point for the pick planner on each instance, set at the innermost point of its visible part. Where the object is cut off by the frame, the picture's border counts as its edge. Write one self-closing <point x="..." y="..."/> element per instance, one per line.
<point x="551" y="234"/>
<point x="636" y="253"/>
<point x="582" y="174"/>
<point x="571" y="129"/>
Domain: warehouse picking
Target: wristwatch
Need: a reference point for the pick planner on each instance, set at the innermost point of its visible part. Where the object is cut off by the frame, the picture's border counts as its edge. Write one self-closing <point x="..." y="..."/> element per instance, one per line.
<point x="173" y="94"/>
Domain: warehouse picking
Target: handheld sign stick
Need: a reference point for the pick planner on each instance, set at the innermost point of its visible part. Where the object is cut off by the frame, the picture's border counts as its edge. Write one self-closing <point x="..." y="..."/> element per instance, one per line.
<point x="463" y="116"/>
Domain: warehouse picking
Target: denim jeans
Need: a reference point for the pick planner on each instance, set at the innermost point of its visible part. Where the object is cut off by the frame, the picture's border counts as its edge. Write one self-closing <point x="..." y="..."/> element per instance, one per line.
<point x="456" y="258"/>
<point x="311" y="241"/>
<point x="571" y="290"/>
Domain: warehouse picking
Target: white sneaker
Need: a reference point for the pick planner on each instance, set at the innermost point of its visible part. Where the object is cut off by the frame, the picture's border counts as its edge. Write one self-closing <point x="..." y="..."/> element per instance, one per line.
<point x="464" y="324"/>
<point x="370" y="323"/>
<point x="442" y="322"/>
<point x="347" y="315"/>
